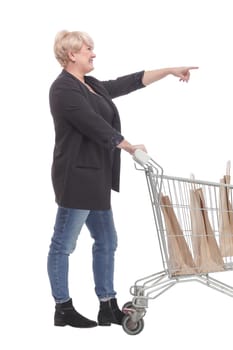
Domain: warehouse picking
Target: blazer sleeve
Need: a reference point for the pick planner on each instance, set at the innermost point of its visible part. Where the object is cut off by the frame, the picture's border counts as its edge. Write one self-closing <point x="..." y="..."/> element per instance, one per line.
<point x="74" y="107"/>
<point x="124" y="85"/>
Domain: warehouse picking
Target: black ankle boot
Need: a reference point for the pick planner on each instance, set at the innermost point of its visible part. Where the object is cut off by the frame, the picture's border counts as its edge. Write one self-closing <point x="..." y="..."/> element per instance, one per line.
<point x="65" y="314"/>
<point x="109" y="313"/>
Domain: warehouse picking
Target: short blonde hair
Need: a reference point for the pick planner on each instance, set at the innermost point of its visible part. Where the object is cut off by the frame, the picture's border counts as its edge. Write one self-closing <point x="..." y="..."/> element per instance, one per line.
<point x="66" y="41"/>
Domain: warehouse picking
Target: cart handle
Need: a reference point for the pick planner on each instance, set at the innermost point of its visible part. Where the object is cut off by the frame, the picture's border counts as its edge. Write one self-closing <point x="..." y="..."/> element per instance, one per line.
<point x="141" y="157"/>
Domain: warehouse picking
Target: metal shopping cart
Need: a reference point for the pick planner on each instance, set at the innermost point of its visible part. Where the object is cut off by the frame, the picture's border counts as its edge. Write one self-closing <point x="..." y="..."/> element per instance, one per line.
<point x="194" y="224"/>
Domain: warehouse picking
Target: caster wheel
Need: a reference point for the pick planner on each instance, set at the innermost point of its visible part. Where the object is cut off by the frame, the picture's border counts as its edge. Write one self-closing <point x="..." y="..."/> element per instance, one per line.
<point x="130" y="327"/>
<point x="128" y="305"/>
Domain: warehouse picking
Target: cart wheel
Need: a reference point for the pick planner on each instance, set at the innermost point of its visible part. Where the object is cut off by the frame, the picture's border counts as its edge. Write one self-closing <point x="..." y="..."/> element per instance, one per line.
<point x="130" y="327"/>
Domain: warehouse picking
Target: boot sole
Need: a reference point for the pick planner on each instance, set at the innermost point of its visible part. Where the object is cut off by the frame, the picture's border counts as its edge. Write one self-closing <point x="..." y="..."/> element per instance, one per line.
<point x="104" y="324"/>
<point x="66" y="324"/>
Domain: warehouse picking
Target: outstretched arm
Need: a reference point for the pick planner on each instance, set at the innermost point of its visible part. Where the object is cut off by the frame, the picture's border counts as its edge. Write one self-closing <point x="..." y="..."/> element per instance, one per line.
<point x="151" y="76"/>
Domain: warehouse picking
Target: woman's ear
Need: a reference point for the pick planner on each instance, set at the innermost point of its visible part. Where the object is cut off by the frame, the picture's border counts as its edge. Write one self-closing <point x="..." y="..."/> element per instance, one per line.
<point x="71" y="56"/>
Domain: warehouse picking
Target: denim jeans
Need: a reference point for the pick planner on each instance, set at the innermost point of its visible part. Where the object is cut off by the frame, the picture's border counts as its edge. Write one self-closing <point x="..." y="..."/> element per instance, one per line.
<point x="68" y="225"/>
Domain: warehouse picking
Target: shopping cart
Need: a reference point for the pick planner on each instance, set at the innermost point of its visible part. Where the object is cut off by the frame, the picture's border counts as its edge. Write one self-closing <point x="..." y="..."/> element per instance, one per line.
<point x="188" y="216"/>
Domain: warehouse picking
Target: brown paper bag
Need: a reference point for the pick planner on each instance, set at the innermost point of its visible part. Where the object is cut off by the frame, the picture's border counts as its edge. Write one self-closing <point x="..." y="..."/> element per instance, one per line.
<point x="180" y="258"/>
<point x="206" y="252"/>
<point x="225" y="217"/>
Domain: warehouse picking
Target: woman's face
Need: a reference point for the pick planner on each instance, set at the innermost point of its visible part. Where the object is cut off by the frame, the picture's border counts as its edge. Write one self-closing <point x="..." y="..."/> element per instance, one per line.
<point x="84" y="59"/>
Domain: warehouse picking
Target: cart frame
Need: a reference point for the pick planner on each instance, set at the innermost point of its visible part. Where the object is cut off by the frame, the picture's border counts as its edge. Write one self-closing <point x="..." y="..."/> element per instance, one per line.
<point x="152" y="286"/>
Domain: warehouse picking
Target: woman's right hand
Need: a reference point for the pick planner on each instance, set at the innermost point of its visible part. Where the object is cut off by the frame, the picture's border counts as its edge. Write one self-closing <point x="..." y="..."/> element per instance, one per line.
<point x="126" y="146"/>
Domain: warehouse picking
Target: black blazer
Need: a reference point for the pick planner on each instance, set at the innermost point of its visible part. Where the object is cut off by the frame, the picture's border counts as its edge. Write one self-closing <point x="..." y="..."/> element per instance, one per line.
<point x="81" y="176"/>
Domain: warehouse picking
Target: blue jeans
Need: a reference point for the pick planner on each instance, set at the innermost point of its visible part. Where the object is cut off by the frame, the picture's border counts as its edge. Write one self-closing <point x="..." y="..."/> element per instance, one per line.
<point x="68" y="225"/>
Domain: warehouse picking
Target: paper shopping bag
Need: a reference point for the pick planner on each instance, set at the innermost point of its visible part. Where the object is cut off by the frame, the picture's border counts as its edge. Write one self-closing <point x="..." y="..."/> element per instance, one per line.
<point x="225" y="216"/>
<point x="207" y="255"/>
<point x="180" y="258"/>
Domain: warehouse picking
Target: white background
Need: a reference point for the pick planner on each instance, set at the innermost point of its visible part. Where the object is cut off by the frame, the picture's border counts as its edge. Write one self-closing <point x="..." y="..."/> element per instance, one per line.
<point x="186" y="128"/>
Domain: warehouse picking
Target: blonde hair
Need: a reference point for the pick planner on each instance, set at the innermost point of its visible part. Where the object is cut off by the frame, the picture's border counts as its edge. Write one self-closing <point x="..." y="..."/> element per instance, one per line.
<point x="66" y="41"/>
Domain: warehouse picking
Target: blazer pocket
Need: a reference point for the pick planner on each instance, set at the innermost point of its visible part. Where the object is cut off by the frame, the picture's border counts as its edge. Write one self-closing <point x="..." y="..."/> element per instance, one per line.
<point x="89" y="156"/>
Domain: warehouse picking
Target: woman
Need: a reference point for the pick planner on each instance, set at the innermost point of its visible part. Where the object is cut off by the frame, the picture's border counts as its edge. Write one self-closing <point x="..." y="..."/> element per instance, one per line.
<point x="86" y="166"/>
